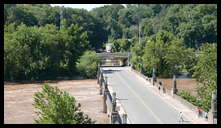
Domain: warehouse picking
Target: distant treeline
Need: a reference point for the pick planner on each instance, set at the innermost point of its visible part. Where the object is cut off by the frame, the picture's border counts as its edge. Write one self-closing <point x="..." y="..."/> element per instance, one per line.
<point x="42" y="41"/>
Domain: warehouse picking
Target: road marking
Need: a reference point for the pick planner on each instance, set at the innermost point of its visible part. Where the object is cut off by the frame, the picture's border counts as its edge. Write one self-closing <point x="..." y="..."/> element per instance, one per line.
<point x="166" y="97"/>
<point x="141" y="100"/>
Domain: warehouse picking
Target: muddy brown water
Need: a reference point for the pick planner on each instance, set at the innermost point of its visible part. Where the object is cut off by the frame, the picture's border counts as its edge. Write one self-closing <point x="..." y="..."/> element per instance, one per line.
<point x="188" y="84"/>
<point x="18" y="100"/>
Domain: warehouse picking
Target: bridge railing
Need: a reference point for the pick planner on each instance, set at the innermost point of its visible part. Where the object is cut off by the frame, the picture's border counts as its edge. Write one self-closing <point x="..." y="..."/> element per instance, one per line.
<point x="111" y="104"/>
<point x="172" y="93"/>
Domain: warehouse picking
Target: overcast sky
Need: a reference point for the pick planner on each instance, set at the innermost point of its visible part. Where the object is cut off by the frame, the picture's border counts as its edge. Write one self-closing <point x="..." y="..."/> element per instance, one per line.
<point x="84" y="6"/>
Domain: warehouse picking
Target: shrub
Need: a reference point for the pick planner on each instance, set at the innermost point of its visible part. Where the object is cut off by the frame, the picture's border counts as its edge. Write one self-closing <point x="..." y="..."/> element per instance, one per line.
<point x="186" y="95"/>
<point x="58" y="107"/>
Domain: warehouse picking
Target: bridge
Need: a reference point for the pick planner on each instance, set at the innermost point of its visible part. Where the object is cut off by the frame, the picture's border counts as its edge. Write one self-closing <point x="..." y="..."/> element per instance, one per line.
<point x="114" y="59"/>
<point x="106" y="55"/>
<point x="129" y="97"/>
<point x="140" y="104"/>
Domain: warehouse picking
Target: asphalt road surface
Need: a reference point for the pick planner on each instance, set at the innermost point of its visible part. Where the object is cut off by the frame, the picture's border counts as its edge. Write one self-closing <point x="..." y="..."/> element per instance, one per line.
<point x="141" y="105"/>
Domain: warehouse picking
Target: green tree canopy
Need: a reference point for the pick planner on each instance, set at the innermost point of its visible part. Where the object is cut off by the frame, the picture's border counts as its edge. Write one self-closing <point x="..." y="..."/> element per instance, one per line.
<point x="87" y="64"/>
<point x="55" y="106"/>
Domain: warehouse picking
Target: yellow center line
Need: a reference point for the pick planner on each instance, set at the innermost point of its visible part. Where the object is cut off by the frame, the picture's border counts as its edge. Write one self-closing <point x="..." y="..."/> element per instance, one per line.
<point x="141" y="100"/>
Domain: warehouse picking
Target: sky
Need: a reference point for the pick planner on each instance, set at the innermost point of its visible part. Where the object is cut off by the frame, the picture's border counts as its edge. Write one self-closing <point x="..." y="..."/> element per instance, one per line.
<point x="84" y="6"/>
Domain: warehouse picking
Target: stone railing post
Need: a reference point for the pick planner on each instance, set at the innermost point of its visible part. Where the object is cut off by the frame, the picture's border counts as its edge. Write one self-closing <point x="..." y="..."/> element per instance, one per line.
<point x="104" y="102"/>
<point x="164" y="90"/>
<point x="101" y="83"/>
<point x="159" y="86"/>
<point x="114" y="102"/>
<point x="114" y="114"/>
<point x="124" y="120"/>
<point x="174" y="89"/>
<point x="214" y="105"/>
<point x="153" y="77"/>
<point x="106" y="91"/>
<point x="98" y="74"/>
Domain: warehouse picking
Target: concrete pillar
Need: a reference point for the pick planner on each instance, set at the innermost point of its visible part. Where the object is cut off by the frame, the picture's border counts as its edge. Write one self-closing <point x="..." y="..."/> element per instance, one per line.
<point x="98" y="73"/>
<point x="164" y="90"/>
<point x="104" y="102"/>
<point x="98" y="77"/>
<point x="114" y="114"/>
<point x="114" y="103"/>
<point x="214" y="105"/>
<point x="160" y="86"/>
<point x="114" y="118"/>
<point x="101" y="83"/>
<point x="104" y="86"/>
<point x="105" y="80"/>
<point x="174" y="89"/>
<point x="153" y="77"/>
<point x="124" y="120"/>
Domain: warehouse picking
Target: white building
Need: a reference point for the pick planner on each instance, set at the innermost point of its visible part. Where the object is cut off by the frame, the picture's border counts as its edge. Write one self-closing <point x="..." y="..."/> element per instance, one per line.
<point x="108" y="47"/>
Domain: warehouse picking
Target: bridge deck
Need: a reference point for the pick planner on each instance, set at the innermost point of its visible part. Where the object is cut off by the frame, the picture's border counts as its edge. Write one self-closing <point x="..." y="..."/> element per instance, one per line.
<point x="141" y="105"/>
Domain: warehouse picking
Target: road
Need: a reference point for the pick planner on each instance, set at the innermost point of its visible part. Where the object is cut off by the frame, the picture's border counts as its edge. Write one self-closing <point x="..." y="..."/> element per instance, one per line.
<point x="141" y="105"/>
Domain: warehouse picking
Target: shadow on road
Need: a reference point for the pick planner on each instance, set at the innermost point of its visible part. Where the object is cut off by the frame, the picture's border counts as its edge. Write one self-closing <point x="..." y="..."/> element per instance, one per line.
<point x="110" y="71"/>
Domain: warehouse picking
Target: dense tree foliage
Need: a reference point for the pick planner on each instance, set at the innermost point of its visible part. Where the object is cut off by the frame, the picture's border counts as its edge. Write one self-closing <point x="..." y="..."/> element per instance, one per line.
<point x="40" y="15"/>
<point x="87" y="65"/>
<point x="108" y="15"/>
<point x="193" y="23"/>
<point x="55" y="106"/>
<point x="121" y="45"/>
<point x="42" y="52"/>
<point x="206" y="73"/>
<point x="164" y="52"/>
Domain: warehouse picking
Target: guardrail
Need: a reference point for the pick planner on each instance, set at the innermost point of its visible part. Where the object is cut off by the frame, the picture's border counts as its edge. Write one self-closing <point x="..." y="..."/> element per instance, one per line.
<point x="111" y="105"/>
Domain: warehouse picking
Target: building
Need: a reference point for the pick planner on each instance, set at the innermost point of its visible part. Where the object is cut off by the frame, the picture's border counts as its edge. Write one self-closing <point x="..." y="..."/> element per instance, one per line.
<point x="108" y="47"/>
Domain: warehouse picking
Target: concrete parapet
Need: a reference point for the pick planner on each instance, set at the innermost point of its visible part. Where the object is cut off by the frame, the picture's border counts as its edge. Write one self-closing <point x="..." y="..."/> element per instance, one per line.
<point x="111" y="105"/>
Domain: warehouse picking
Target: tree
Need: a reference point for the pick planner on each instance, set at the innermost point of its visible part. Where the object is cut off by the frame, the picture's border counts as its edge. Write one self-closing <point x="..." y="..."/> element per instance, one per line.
<point x="87" y="64"/>
<point x="51" y="50"/>
<point x="42" y="52"/>
<point x="206" y="67"/>
<point x="205" y="72"/>
<point x="164" y="52"/>
<point x="24" y="44"/>
<point x="121" y="45"/>
<point x="18" y="15"/>
<point x="137" y="53"/>
<point x="108" y="15"/>
<point x="55" y="106"/>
